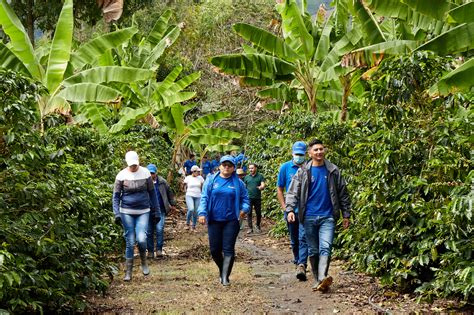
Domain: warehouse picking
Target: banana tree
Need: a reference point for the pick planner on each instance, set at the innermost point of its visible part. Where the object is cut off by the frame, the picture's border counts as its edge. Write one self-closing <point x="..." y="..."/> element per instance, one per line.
<point x="196" y="133"/>
<point x="64" y="77"/>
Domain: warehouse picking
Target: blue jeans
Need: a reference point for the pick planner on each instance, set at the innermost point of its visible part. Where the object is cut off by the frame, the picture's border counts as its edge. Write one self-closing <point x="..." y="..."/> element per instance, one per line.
<point x="222" y="237"/>
<point x="319" y="234"/>
<point x="298" y="242"/>
<point x="135" y="229"/>
<point x="159" y="228"/>
<point x="193" y="204"/>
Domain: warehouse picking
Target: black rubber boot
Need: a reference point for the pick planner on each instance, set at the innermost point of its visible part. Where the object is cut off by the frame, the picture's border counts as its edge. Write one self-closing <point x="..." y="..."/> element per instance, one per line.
<point x="227" y="269"/>
<point x="218" y="259"/>
<point x="325" y="281"/>
<point x="313" y="261"/>
<point x="128" y="269"/>
<point x="144" y="265"/>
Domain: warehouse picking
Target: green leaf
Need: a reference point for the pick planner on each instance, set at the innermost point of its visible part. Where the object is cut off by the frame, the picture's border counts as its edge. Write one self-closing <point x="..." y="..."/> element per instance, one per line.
<point x="266" y="40"/>
<point x="255" y="66"/>
<point x="9" y="60"/>
<point x="460" y="79"/>
<point x="89" y="92"/>
<point x="184" y="82"/>
<point x="93" y="114"/>
<point x="60" y="48"/>
<point x="389" y="8"/>
<point x="274" y="106"/>
<point x="110" y="74"/>
<point x="341" y="47"/>
<point x="158" y="50"/>
<point x="207" y="139"/>
<point x="222" y="148"/>
<point x="168" y="81"/>
<point x="208" y="119"/>
<point x="159" y="29"/>
<point x="456" y="40"/>
<point x="216" y="132"/>
<point x="129" y="119"/>
<point x="177" y="112"/>
<point x="294" y="29"/>
<point x="369" y="26"/>
<point x="20" y="42"/>
<point x="462" y="14"/>
<point x="95" y="48"/>
<point x="434" y="8"/>
<point x="324" y="41"/>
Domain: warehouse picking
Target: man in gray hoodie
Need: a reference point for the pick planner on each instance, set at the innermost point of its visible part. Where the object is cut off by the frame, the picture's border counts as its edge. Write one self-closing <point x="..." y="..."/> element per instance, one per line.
<point x="319" y="192"/>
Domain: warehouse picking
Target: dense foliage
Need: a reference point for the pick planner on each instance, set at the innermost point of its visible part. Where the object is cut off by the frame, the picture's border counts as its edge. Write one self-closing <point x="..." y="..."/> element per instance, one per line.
<point x="408" y="164"/>
<point x="57" y="236"/>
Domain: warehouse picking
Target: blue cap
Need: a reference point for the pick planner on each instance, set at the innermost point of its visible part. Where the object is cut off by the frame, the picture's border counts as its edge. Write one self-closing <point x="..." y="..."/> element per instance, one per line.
<point x="152" y="168"/>
<point x="227" y="158"/>
<point x="299" y="147"/>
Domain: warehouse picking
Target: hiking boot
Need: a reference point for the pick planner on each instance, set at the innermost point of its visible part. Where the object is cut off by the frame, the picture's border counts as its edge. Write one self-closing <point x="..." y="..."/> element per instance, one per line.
<point x="159" y="253"/>
<point x="249" y="232"/>
<point x="128" y="269"/>
<point x="258" y="230"/>
<point x="301" y="272"/>
<point x="150" y="255"/>
<point x="144" y="264"/>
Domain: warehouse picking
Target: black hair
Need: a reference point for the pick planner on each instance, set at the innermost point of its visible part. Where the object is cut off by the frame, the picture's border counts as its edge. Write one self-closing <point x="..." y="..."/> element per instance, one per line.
<point x="256" y="166"/>
<point x="314" y="142"/>
<point x="191" y="155"/>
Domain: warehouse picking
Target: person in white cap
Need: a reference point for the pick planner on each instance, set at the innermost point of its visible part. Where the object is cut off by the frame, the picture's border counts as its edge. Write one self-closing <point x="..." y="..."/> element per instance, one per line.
<point x="134" y="200"/>
<point x="193" y="184"/>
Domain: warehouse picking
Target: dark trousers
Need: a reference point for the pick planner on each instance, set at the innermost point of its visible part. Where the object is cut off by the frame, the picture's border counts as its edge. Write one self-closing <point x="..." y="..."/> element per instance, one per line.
<point x="257" y="205"/>
<point x="222" y="237"/>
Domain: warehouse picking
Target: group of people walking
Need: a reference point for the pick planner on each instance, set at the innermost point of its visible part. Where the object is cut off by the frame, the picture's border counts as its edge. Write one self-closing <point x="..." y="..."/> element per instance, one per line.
<point x="312" y="193"/>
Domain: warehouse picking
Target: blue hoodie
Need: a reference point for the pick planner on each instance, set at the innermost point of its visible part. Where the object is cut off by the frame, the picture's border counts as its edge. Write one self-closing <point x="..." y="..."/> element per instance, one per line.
<point x="241" y="203"/>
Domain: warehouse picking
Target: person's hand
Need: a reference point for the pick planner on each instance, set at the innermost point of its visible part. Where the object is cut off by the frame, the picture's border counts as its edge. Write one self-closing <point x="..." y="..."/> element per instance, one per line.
<point x="345" y="223"/>
<point x="290" y="217"/>
<point x="202" y="219"/>
<point x="118" y="221"/>
<point x="243" y="215"/>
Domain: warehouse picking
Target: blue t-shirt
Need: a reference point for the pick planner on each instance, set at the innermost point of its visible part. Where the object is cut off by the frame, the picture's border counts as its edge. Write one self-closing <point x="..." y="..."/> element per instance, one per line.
<point x="214" y="164"/>
<point x="286" y="173"/>
<point x="206" y="167"/>
<point x="222" y="200"/>
<point x="319" y="202"/>
<point x="187" y="166"/>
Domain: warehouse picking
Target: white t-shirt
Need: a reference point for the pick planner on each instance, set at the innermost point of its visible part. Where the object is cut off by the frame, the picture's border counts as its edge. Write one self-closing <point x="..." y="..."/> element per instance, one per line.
<point x="194" y="184"/>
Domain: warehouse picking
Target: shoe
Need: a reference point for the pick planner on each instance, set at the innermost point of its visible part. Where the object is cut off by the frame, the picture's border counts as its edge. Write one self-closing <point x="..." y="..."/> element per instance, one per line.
<point x="324" y="280"/>
<point x="227" y="265"/>
<point x="324" y="284"/>
<point x="314" y="261"/>
<point x="186" y="227"/>
<point x="144" y="264"/>
<point x="258" y="230"/>
<point x="249" y="232"/>
<point x="128" y="269"/>
<point x="150" y="255"/>
<point x="194" y="229"/>
<point x="301" y="272"/>
<point x="159" y="253"/>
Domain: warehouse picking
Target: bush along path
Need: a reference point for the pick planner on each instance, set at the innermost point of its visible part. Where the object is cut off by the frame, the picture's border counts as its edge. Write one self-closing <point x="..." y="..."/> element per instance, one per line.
<point x="263" y="280"/>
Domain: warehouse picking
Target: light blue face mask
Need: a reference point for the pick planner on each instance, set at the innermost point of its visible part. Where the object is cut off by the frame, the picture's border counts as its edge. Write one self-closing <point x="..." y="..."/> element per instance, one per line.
<point x="298" y="159"/>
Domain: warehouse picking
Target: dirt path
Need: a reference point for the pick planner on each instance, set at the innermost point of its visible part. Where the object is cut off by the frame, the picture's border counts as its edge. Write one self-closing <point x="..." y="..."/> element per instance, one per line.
<point x="263" y="281"/>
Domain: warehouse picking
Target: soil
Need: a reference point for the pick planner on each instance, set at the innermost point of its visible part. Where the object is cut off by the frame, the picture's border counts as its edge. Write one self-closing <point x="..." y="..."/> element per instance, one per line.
<point x="185" y="280"/>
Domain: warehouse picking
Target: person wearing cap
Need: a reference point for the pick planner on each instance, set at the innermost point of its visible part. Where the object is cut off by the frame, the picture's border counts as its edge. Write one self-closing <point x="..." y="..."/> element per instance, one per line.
<point x="295" y="229"/>
<point x="255" y="183"/>
<point x="224" y="200"/>
<point x="134" y="201"/>
<point x="193" y="184"/>
<point x="167" y="203"/>
<point x="319" y="190"/>
<point x="188" y="164"/>
<point x="240" y="173"/>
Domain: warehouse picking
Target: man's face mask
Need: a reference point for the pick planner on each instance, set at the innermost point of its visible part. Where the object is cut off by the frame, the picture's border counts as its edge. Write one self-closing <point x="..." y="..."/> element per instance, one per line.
<point x="298" y="159"/>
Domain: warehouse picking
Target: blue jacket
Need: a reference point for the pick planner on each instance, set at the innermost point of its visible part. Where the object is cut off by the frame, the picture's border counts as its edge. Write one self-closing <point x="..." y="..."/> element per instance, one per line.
<point x="241" y="203"/>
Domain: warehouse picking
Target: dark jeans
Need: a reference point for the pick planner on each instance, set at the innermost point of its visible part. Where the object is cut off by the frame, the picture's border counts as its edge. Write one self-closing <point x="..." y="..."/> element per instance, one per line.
<point x="257" y="205"/>
<point x="298" y="242"/>
<point x="222" y="237"/>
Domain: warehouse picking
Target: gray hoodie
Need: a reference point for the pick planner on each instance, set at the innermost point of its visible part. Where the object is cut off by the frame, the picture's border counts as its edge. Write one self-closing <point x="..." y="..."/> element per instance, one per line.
<point x="297" y="194"/>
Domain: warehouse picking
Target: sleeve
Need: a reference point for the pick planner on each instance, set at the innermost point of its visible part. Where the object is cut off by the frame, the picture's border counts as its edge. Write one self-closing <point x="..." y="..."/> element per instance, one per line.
<point x="186" y="180"/>
<point x="293" y="193"/>
<point x="170" y="194"/>
<point x="281" y="180"/>
<point x="154" y="204"/>
<point x="117" y="196"/>
<point x="244" y="198"/>
<point x="343" y="194"/>
<point x="205" y="198"/>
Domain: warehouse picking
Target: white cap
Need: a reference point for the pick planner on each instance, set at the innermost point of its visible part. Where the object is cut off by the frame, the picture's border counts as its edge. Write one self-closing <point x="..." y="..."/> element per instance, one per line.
<point x="131" y="158"/>
<point x="195" y="168"/>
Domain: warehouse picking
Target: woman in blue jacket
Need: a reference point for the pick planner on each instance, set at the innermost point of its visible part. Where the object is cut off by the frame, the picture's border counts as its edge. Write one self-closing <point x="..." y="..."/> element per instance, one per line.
<point x="224" y="199"/>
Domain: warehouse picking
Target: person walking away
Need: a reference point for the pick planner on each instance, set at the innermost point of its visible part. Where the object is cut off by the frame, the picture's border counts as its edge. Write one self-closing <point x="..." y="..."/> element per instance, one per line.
<point x="255" y="183"/>
<point x="167" y="203"/>
<point x="188" y="164"/>
<point x="241" y="174"/>
<point x="134" y="200"/>
<point x="224" y="200"/>
<point x="321" y="193"/>
<point x="193" y="185"/>
<point x="206" y="166"/>
<point x="295" y="229"/>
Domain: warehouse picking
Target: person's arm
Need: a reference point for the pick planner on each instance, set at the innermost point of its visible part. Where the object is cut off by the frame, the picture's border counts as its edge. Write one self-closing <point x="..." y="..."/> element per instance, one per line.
<point x="116" y="197"/>
<point x="154" y="203"/>
<point x="262" y="184"/>
<point x="281" y="197"/>
<point x="205" y="199"/>
<point x="170" y="195"/>
<point x="293" y="194"/>
<point x="244" y="200"/>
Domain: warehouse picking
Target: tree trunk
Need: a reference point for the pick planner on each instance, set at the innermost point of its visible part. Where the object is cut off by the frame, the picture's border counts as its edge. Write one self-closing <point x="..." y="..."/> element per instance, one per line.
<point x="346" y="83"/>
<point x="30" y="21"/>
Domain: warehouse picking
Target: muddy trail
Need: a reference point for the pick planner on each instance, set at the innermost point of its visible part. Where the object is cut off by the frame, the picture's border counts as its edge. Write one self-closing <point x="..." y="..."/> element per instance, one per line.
<point x="263" y="280"/>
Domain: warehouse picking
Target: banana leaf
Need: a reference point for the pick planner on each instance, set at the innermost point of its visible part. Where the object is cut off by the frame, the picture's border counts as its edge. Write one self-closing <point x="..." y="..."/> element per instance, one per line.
<point x="208" y="119"/>
<point x="217" y="132"/>
<point x="89" y="92"/>
<point x="159" y="29"/>
<point x="436" y="9"/>
<point x="369" y="26"/>
<point x="110" y="74"/>
<point x="456" y="40"/>
<point x="462" y="14"/>
<point x="458" y="80"/>
<point x="9" y="60"/>
<point x="158" y="50"/>
<point x="129" y="119"/>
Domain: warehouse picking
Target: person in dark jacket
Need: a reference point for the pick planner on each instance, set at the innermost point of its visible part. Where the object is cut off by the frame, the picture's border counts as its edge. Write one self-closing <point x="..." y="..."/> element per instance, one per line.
<point x="167" y="203"/>
<point x="134" y="200"/>
<point x="319" y="191"/>
<point x="224" y="199"/>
